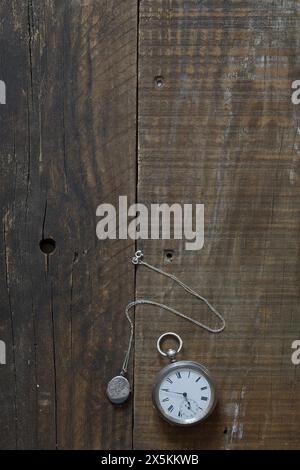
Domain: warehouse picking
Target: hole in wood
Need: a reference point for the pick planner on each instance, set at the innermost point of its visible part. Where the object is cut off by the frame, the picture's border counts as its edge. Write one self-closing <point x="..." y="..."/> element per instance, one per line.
<point x="169" y="255"/>
<point x="47" y="245"/>
<point x="159" y="81"/>
<point x="225" y="431"/>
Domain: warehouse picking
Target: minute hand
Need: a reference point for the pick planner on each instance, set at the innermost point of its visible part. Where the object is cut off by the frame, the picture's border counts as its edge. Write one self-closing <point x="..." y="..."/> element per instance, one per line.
<point x="171" y="391"/>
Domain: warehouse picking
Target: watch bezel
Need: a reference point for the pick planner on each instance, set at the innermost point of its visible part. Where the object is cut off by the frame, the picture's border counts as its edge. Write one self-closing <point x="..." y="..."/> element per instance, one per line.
<point x="169" y="369"/>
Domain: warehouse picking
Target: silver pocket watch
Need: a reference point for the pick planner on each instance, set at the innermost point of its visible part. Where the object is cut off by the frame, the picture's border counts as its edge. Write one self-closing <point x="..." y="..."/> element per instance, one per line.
<point x="183" y="392"/>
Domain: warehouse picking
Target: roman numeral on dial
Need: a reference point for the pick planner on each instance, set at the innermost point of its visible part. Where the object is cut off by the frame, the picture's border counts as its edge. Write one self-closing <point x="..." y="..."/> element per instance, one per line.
<point x="171" y="408"/>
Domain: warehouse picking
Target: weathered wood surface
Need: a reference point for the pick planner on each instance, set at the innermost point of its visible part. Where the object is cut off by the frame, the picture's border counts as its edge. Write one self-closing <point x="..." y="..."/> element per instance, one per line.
<point x="67" y="144"/>
<point x="220" y="131"/>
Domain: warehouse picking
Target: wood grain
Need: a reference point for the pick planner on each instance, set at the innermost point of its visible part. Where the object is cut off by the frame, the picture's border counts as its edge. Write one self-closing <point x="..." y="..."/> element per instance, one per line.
<point x="222" y="131"/>
<point x="67" y="144"/>
<point x="77" y="131"/>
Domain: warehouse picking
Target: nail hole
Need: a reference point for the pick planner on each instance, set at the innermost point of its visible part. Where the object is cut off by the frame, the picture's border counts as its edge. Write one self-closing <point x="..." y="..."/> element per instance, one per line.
<point x="159" y="81"/>
<point x="47" y="245"/>
<point x="225" y="431"/>
<point x="169" y="255"/>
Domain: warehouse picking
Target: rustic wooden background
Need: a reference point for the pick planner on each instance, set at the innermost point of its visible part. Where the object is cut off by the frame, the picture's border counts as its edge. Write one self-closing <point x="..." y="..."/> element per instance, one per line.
<point x="162" y="101"/>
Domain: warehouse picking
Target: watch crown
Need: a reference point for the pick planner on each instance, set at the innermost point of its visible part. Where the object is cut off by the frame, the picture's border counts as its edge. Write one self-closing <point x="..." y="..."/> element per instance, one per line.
<point x="171" y="354"/>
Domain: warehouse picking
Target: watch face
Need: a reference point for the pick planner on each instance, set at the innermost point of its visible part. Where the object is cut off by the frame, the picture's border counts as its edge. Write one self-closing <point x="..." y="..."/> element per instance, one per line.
<point x="184" y="393"/>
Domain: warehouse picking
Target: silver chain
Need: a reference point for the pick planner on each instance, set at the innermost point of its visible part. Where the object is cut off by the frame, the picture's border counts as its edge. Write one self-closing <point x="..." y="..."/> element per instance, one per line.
<point x="138" y="259"/>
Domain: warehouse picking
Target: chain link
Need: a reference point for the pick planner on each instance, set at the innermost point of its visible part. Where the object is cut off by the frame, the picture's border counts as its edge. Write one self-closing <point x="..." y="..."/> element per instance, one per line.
<point x="138" y="260"/>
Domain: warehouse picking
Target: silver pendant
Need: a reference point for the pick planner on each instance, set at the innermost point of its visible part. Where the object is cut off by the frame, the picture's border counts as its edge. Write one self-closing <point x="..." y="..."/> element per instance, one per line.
<point x="118" y="389"/>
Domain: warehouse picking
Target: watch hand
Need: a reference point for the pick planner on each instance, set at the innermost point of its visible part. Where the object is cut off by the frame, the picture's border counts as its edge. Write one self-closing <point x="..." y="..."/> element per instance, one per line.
<point x="185" y="396"/>
<point x="189" y="405"/>
<point x="171" y="391"/>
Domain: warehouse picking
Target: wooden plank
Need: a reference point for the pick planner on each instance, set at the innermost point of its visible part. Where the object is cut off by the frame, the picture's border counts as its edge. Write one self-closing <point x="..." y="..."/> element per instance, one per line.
<point x="67" y="144"/>
<point x="221" y="131"/>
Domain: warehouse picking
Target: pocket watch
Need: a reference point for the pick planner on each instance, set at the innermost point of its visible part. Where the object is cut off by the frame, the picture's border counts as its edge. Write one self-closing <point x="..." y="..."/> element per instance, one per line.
<point x="183" y="392"/>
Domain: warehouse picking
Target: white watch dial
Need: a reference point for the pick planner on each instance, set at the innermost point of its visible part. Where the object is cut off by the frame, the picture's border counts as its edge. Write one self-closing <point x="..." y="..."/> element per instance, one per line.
<point x="185" y="395"/>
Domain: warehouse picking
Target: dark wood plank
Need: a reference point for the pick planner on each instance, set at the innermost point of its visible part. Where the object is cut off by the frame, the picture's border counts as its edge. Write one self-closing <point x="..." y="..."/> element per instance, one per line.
<point x="222" y="131"/>
<point x="67" y="144"/>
